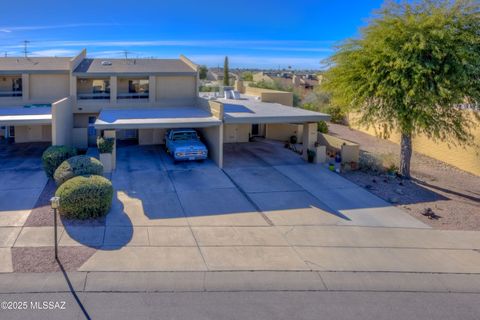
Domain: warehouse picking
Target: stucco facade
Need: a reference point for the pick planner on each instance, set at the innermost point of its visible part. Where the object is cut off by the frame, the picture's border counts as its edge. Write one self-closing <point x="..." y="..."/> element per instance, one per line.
<point x="70" y="101"/>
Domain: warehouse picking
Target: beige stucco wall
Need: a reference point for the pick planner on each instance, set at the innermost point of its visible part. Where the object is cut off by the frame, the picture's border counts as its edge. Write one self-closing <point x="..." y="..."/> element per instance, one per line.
<point x="236" y="133"/>
<point x="151" y="136"/>
<point x="214" y="140"/>
<point x="80" y="138"/>
<point x="283" y="131"/>
<point x="33" y="133"/>
<point x="466" y="158"/>
<point x="176" y="88"/>
<point x="62" y="122"/>
<point x="49" y="87"/>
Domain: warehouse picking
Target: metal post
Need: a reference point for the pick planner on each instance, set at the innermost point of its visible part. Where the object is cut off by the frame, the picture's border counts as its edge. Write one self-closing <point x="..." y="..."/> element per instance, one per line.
<point x="55" y="228"/>
<point x="55" y="203"/>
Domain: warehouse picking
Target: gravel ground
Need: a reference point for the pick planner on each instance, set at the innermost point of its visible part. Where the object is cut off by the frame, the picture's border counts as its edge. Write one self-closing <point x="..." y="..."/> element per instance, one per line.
<point x="41" y="214"/>
<point x="41" y="259"/>
<point x="453" y="195"/>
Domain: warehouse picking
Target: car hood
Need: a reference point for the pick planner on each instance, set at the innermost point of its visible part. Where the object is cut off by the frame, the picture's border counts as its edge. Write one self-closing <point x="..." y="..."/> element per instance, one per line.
<point x="187" y="144"/>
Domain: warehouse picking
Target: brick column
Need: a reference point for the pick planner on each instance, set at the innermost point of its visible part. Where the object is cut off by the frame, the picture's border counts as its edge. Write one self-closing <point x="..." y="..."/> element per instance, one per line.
<point x="309" y="137"/>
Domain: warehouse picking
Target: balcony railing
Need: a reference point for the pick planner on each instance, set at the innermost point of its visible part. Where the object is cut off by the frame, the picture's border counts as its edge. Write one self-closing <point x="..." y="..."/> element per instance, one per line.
<point x="94" y="96"/>
<point x="10" y="94"/>
<point x="136" y="95"/>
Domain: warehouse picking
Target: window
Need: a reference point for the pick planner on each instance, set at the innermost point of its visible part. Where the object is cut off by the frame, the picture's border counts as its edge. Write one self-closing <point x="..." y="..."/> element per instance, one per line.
<point x="138" y="86"/>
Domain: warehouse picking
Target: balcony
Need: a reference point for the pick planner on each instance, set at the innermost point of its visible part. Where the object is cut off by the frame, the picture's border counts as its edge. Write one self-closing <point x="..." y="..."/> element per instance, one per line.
<point x="10" y="87"/>
<point x="133" y="89"/>
<point x="93" y="89"/>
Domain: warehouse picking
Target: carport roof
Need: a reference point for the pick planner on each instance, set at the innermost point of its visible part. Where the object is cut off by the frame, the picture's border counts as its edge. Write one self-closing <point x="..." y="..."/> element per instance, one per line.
<point x="26" y="115"/>
<point x="250" y="110"/>
<point x="149" y="118"/>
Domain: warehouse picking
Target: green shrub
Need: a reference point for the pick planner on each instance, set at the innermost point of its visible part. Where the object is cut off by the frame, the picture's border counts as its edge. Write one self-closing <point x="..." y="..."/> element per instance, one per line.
<point x="85" y="197"/>
<point x="322" y="127"/>
<point x="105" y="145"/>
<point x="337" y="114"/>
<point x="54" y="156"/>
<point x="77" y="166"/>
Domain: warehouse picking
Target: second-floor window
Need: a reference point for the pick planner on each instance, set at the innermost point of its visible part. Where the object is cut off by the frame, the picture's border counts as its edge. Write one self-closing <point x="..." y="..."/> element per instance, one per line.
<point x="10" y="86"/>
<point x="93" y="89"/>
<point x="133" y="89"/>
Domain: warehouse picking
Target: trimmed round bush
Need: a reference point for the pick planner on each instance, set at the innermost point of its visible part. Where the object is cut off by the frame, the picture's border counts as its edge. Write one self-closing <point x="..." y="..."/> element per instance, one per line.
<point x="54" y="156"/>
<point x="77" y="166"/>
<point x="85" y="197"/>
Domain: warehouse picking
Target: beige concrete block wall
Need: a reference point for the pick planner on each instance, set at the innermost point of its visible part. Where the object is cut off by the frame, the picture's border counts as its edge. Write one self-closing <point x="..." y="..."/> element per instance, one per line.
<point x="465" y="158"/>
<point x="283" y="131"/>
<point x="214" y="141"/>
<point x="350" y="151"/>
<point x="49" y="87"/>
<point x="151" y="136"/>
<point x="236" y="133"/>
<point x="33" y="133"/>
<point x="266" y="95"/>
<point x="216" y="108"/>
<point x="62" y="122"/>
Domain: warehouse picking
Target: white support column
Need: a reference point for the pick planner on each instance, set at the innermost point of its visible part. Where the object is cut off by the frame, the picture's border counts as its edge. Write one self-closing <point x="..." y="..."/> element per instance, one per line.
<point x="112" y="134"/>
<point x="309" y="138"/>
<point x="25" y="87"/>
<point x="152" y="89"/>
<point x="113" y="89"/>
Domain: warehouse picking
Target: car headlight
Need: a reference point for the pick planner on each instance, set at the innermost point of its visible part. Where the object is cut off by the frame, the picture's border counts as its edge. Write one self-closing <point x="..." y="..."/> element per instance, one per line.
<point x="179" y="154"/>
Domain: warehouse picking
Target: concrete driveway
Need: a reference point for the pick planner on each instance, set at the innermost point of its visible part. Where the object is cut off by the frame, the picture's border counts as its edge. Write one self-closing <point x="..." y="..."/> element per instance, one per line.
<point x="22" y="179"/>
<point x="266" y="210"/>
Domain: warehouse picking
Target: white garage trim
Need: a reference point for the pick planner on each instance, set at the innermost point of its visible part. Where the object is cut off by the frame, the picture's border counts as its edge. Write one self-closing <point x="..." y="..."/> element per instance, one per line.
<point x="181" y="117"/>
<point x="15" y="116"/>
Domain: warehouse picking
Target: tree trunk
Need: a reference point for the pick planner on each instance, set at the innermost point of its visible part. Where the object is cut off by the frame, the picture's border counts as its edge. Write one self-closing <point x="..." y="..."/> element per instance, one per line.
<point x="405" y="155"/>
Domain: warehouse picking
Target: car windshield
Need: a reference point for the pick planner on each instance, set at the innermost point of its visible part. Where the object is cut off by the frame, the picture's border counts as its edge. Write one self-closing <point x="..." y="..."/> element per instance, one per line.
<point x="185" y="136"/>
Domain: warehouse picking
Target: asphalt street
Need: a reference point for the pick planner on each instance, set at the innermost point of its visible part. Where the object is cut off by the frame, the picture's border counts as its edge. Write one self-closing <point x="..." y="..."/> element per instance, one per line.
<point x="249" y="305"/>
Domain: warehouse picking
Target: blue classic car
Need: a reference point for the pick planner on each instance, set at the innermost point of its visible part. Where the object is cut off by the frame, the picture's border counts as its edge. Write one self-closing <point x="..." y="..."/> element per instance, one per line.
<point x="185" y="144"/>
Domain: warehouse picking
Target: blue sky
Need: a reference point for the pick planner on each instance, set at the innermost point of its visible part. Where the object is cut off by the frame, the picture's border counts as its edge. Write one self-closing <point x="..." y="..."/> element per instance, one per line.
<point x="259" y="34"/>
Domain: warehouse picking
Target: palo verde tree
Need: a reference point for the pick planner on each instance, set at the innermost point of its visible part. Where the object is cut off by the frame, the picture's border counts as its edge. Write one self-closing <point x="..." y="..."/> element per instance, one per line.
<point x="410" y="69"/>
<point x="226" y="73"/>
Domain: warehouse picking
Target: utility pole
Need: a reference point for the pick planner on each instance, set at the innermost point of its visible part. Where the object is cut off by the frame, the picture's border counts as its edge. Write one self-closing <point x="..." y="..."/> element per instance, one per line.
<point x="25" y="48"/>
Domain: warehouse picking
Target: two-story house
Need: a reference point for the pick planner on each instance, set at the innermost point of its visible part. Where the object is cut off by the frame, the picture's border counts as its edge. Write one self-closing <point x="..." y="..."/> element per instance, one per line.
<point x="70" y="101"/>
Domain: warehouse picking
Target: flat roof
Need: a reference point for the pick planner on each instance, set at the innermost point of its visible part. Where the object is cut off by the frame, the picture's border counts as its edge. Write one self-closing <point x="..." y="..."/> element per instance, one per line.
<point x="250" y="110"/>
<point x="34" y="64"/>
<point x="133" y="66"/>
<point x="149" y="118"/>
<point x="10" y="116"/>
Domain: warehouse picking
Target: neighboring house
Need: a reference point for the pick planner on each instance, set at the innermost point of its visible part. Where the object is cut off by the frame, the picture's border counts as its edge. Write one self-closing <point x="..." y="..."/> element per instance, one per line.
<point x="216" y="74"/>
<point x="288" y="79"/>
<point x="70" y="101"/>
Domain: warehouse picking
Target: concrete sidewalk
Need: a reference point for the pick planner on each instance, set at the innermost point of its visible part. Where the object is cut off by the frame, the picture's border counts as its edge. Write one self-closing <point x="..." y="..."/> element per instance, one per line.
<point x="237" y="281"/>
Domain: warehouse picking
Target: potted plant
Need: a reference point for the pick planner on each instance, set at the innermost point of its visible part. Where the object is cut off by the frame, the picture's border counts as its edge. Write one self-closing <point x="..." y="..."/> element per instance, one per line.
<point x="311" y="155"/>
<point x="105" y="148"/>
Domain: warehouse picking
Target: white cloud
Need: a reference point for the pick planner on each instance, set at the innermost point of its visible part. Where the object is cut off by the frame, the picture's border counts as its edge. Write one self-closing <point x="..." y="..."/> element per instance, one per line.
<point x="294" y="46"/>
<point x="9" y="29"/>
<point x="54" y="53"/>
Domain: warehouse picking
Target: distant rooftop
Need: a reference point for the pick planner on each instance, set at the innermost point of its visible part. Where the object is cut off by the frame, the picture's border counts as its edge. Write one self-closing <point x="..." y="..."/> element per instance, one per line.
<point x="18" y="64"/>
<point x="133" y="66"/>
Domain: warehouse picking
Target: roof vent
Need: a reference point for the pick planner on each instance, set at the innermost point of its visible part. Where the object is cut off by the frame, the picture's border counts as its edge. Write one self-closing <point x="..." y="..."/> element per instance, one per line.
<point x="106" y="63"/>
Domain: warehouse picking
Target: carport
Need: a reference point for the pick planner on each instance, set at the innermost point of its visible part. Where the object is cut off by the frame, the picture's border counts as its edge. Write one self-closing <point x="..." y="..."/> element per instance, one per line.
<point x="152" y="123"/>
<point x="29" y="123"/>
<point x="274" y="121"/>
